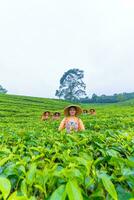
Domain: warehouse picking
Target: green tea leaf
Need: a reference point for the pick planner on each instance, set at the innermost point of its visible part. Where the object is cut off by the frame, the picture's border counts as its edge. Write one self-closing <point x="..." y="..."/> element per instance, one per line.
<point x="32" y="198"/>
<point x="15" y="196"/>
<point x="73" y="191"/>
<point x="109" y="186"/>
<point x="24" y="187"/>
<point x="123" y="194"/>
<point x="4" y="160"/>
<point x="5" y="187"/>
<point x="31" y="174"/>
<point x="59" y="193"/>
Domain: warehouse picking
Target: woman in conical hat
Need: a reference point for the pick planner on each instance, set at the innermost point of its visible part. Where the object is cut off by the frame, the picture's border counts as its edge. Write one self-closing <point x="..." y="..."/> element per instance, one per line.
<point x="71" y="122"/>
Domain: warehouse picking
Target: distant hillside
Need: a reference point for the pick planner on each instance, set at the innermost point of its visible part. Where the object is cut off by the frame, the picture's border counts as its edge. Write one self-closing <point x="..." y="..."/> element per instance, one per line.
<point x="24" y="102"/>
<point x="13" y="105"/>
<point x="121" y="97"/>
<point x="128" y="102"/>
<point x="21" y="111"/>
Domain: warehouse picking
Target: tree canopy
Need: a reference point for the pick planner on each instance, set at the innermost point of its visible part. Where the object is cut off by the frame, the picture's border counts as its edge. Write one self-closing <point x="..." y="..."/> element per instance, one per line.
<point x="2" y="90"/>
<point x="108" y="98"/>
<point x="72" y="87"/>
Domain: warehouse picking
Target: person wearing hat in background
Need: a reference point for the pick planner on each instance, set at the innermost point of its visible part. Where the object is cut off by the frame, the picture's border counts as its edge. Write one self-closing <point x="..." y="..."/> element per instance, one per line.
<point x="71" y="122"/>
<point x="85" y="112"/>
<point x="92" y="111"/>
<point x="56" y="116"/>
<point x="45" y="116"/>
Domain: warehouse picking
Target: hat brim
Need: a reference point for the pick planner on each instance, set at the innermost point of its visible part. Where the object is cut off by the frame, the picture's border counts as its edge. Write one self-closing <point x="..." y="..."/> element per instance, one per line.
<point x="78" y="110"/>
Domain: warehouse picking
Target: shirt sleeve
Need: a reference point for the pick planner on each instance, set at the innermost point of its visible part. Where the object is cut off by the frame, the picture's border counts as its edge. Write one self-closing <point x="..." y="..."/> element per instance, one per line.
<point x="62" y="125"/>
<point x="81" y="125"/>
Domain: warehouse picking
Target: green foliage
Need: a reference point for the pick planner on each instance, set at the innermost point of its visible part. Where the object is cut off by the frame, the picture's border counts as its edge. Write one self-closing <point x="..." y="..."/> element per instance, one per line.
<point x="109" y="186"/>
<point x="39" y="163"/>
<point x="2" y="90"/>
<point x="5" y="187"/>
<point x="73" y="191"/>
<point x="59" y="193"/>
<point x="121" y="97"/>
<point x="72" y="87"/>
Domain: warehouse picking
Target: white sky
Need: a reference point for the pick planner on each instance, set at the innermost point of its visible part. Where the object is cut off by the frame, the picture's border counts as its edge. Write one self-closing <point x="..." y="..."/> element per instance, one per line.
<point x="41" y="39"/>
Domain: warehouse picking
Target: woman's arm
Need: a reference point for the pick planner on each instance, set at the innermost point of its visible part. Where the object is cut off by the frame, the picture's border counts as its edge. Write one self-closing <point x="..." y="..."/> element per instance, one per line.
<point x="81" y="125"/>
<point x="62" y="125"/>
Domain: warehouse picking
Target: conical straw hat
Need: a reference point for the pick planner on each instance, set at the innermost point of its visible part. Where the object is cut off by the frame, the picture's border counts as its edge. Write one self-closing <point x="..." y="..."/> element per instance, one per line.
<point x="78" y="110"/>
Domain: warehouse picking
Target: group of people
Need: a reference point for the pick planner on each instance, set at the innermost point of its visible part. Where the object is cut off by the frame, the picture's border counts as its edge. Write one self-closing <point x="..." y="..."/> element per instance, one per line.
<point x="90" y="112"/>
<point x="71" y="121"/>
<point x="48" y="115"/>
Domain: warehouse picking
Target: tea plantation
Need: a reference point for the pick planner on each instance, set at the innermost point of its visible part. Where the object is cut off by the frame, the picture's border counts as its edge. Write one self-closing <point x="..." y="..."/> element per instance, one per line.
<point x="39" y="163"/>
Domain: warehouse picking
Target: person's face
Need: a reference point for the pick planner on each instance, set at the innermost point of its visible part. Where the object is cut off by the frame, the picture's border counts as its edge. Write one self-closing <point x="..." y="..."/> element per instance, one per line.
<point x="47" y="114"/>
<point x="72" y="111"/>
<point x="92" y="111"/>
<point x="56" y="116"/>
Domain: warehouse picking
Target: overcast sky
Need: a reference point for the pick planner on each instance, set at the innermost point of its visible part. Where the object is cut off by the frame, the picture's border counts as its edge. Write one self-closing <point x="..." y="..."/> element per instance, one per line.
<point x="41" y="39"/>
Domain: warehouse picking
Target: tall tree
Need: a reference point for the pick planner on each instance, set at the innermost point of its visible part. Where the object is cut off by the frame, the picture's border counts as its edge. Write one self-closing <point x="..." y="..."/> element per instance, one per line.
<point x="2" y="90"/>
<point x="72" y="87"/>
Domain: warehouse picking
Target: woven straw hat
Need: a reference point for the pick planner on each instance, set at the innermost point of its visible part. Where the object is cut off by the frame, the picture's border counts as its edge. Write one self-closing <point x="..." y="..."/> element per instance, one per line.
<point x="78" y="110"/>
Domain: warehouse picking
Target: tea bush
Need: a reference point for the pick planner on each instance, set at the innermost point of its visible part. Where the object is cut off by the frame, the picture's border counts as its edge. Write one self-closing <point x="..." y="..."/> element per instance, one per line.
<point x="39" y="163"/>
